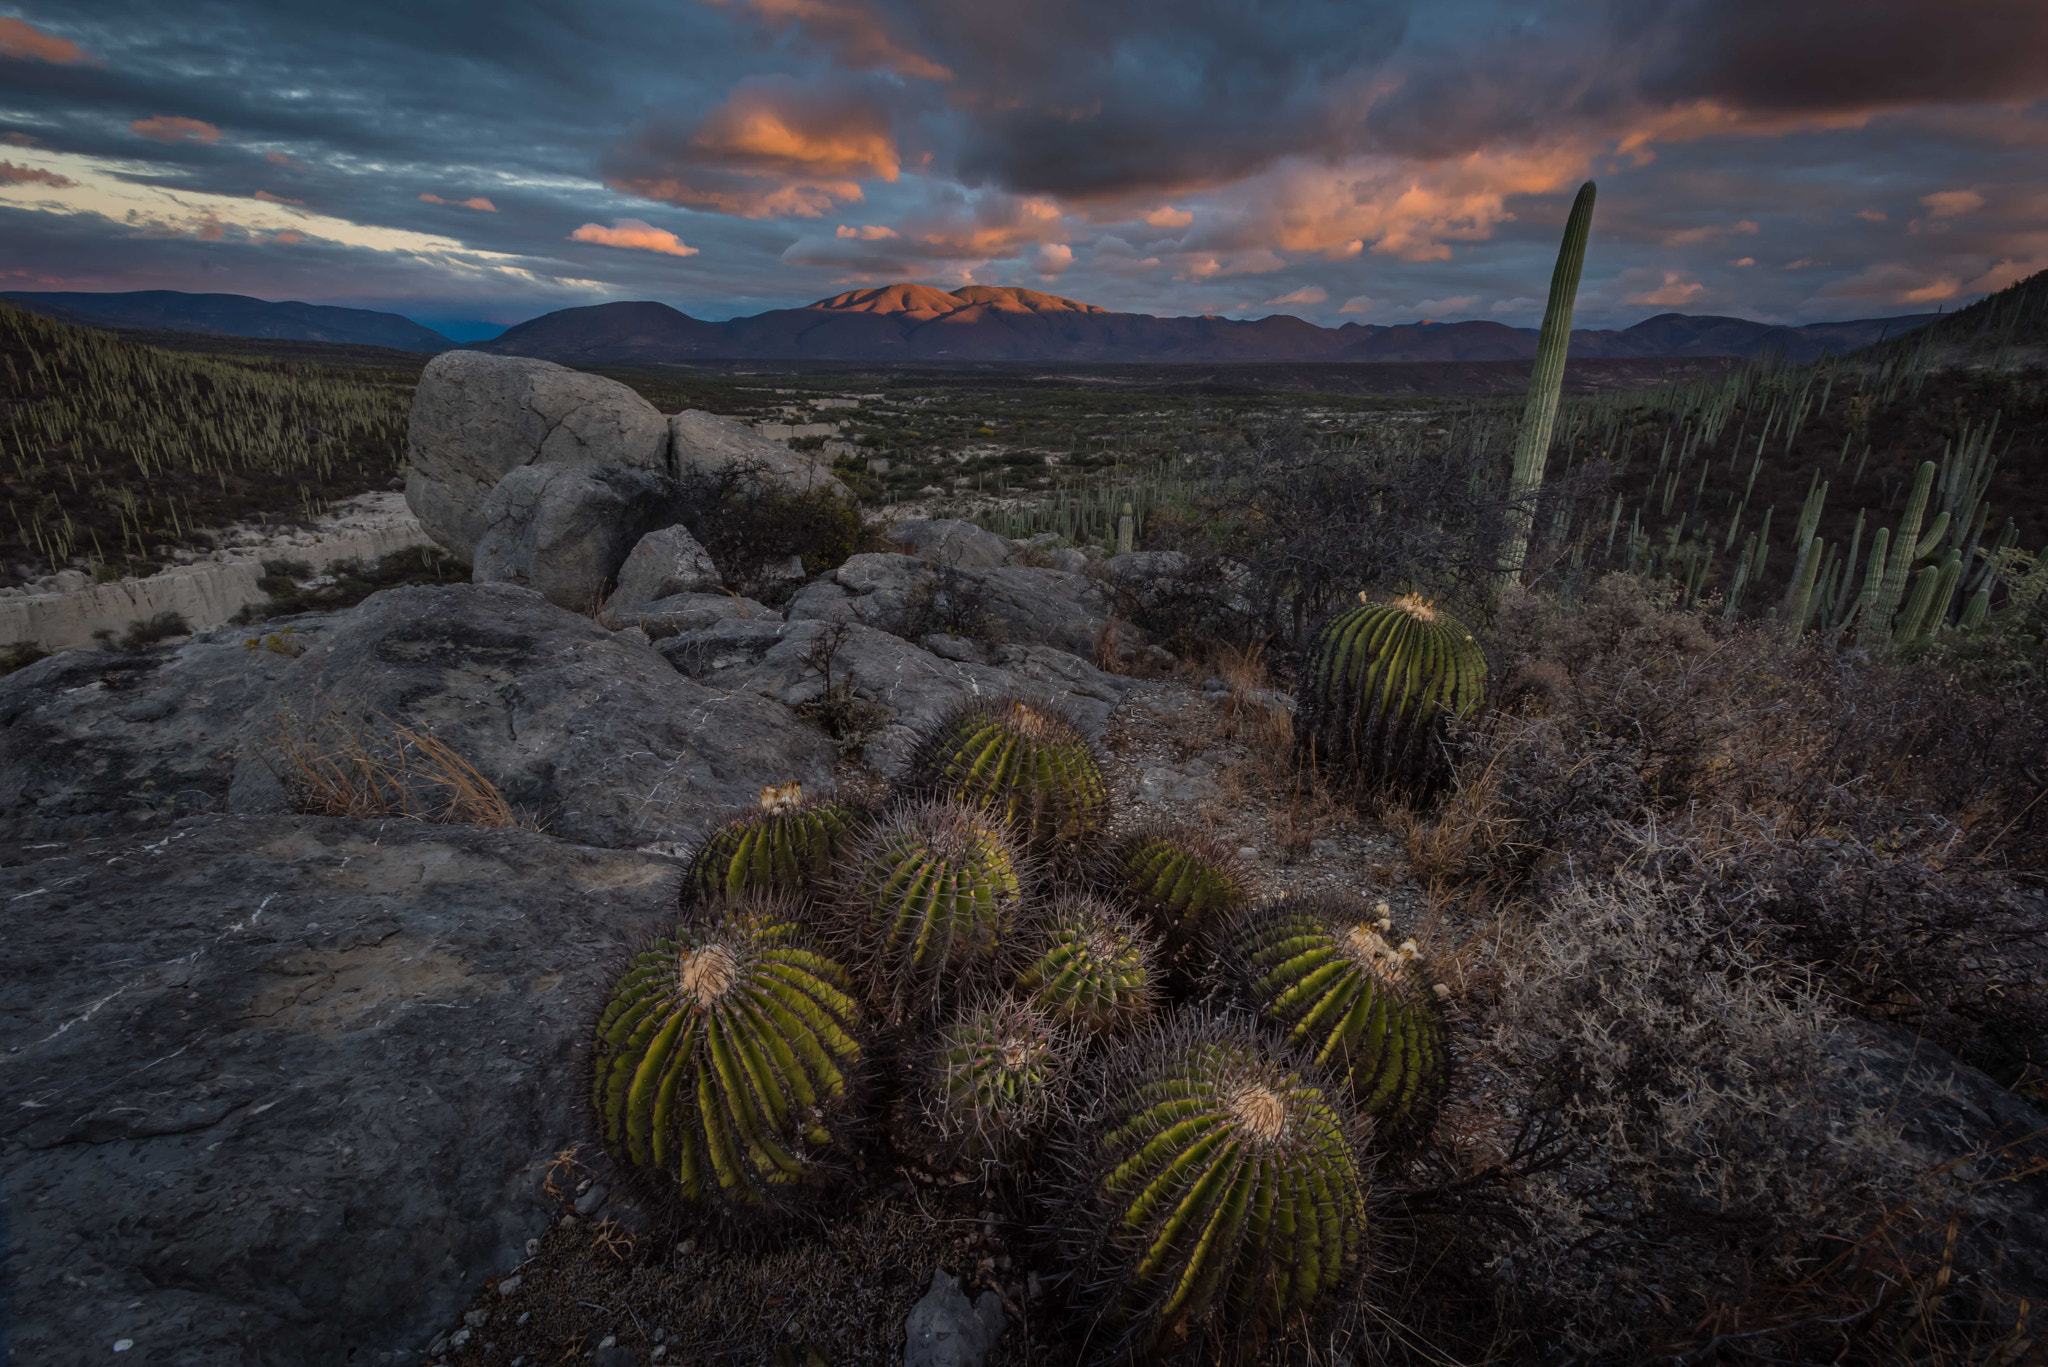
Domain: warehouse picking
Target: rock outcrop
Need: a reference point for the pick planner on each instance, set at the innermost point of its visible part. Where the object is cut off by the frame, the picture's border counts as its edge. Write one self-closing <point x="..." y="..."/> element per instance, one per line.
<point x="705" y="444"/>
<point x="285" y="1089"/>
<point x="564" y="531"/>
<point x="476" y="416"/>
<point x="1002" y="604"/>
<point x="664" y="563"/>
<point x="951" y="541"/>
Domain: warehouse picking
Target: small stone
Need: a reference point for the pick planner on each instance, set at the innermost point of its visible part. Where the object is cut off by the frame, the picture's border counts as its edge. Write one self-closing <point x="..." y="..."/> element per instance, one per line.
<point x="590" y="1200"/>
<point x="660" y="1352"/>
<point x="459" y="1338"/>
<point x="1324" y="849"/>
<point x="1247" y="852"/>
<point x="608" y="1340"/>
<point x="509" y="1287"/>
<point x="532" y="1247"/>
<point x="945" y="1330"/>
<point x="123" y="1345"/>
<point x="477" y="1319"/>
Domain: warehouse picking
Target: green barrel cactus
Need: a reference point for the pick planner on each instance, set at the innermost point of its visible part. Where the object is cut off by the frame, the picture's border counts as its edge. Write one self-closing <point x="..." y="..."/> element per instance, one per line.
<point x="1184" y="882"/>
<point x="788" y="846"/>
<point x="1219" y="1192"/>
<point x="1327" y="973"/>
<point x="1381" y="682"/>
<point x="926" y="900"/>
<point x="726" y="1054"/>
<point x="1024" y="761"/>
<point x="987" y="1084"/>
<point x="1091" y="967"/>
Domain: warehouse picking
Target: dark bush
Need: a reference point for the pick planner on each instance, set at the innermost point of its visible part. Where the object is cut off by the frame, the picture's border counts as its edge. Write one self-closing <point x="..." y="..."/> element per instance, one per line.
<point x="754" y="529"/>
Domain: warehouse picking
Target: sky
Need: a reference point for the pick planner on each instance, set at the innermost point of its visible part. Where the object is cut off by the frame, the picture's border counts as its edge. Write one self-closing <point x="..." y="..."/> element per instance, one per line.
<point x="469" y="163"/>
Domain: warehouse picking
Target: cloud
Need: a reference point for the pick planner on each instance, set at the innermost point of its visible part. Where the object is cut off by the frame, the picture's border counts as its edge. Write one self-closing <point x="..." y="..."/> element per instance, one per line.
<point x="631" y="232"/>
<point x="290" y="237"/>
<point x="1952" y="203"/>
<point x="1712" y="232"/>
<point x="776" y="147"/>
<point x="269" y="198"/>
<point x="1358" y="303"/>
<point x="476" y="202"/>
<point x="171" y="128"/>
<point x="1743" y="261"/>
<point x="957" y="234"/>
<point x="1053" y="259"/>
<point x="10" y="174"/>
<point x="1675" y="292"/>
<point x="1166" y="216"/>
<point x="22" y="40"/>
<point x="1519" y="304"/>
<point x="1457" y="303"/>
<point x="1307" y="294"/>
<point x="1872" y="215"/>
<point x="867" y="232"/>
<point x="855" y="34"/>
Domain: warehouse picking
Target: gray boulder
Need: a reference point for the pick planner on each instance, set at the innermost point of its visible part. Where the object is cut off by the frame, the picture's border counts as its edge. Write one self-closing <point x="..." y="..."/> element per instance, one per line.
<point x="564" y="531"/>
<point x="286" y="1089"/>
<point x="1012" y="604"/>
<point x="950" y="541"/>
<point x="664" y="563"/>
<point x="914" y="687"/>
<point x="706" y="444"/>
<point x="945" y="1329"/>
<point x="690" y="612"/>
<point x="476" y="416"/>
<point x="594" y="733"/>
<point x="1146" y="565"/>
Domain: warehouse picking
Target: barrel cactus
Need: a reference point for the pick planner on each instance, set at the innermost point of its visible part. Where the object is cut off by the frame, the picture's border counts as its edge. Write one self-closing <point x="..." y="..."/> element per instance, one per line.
<point x="1380" y="685"/>
<point x="1027" y="763"/>
<point x="1219" y="1193"/>
<point x="1091" y="967"/>
<point x="988" y="1083"/>
<point x="726" y="1056"/>
<point x="1183" y="881"/>
<point x="1326" y="972"/>
<point x="787" y="846"/>
<point x="926" y="900"/>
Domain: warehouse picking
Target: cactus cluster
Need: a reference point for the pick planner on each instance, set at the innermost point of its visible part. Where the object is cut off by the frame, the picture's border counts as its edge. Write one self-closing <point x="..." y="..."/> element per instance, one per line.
<point x="1222" y="1189"/>
<point x="1327" y="975"/>
<point x="1024" y="762"/>
<point x="787" y="846"/>
<point x="1092" y="968"/>
<point x="1379" y="686"/>
<point x="989" y="1082"/>
<point x="1185" y="883"/>
<point x="725" y="1056"/>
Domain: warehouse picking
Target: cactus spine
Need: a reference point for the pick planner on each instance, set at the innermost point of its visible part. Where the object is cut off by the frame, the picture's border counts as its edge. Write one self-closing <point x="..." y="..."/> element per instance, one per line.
<point x="1028" y="764"/>
<point x="1183" y="882"/>
<point x="1093" y="969"/>
<point x="1328" y="976"/>
<point x="1379" y="686"/>
<point x="787" y="846"/>
<point x="1546" y="382"/>
<point x="929" y="897"/>
<point x="1220" y="1193"/>
<point x="724" y="1057"/>
<point x="989" y="1083"/>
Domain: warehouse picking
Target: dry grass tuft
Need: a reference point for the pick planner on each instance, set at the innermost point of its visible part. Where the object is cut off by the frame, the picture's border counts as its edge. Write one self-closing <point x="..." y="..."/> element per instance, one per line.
<point x="340" y="767"/>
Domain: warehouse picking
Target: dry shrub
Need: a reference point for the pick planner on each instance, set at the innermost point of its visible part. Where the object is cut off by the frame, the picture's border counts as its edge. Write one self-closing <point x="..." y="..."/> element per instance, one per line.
<point x="341" y="767"/>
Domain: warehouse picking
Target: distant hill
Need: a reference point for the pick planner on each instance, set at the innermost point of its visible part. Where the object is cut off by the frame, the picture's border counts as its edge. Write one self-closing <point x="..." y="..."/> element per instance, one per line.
<point x="2011" y="325"/>
<point x="980" y="323"/>
<point x="232" y="315"/>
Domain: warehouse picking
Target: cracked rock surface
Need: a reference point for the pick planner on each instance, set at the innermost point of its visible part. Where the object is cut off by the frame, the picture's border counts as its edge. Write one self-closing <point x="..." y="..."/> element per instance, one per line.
<point x="282" y="1089"/>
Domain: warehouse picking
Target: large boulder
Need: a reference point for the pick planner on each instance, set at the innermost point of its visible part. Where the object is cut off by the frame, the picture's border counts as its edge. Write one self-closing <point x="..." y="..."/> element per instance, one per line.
<point x="708" y="446"/>
<point x="592" y="732"/>
<point x="665" y="562"/>
<point x="477" y="416"/>
<point x="564" y="531"/>
<point x="286" y="1089"/>
<point x="1013" y="604"/>
<point x="951" y="541"/>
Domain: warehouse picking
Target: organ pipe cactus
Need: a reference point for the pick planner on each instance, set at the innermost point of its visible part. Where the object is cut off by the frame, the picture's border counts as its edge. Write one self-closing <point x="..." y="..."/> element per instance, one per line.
<point x="1327" y="974"/>
<point x="725" y="1056"/>
<point x="1546" y="383"/>
<point x="926" y="899"/>
<point x="1218" y="1193"/>
<point x="988" y="1083"/>
<point x="1025" y="762"/>
<point x="788" y="845"/>
<point x="1182" y="881"/>
<point x="1381" y="683"/>
<point x="1091" y="967"/>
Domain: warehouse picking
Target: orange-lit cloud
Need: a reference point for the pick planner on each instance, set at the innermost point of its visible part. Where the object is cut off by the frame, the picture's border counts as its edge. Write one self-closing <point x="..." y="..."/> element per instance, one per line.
<point x="1711" y="232"/>
<point x="1166" y="216"/>
<point x="632" y="233"/>
<point x="172" y="128"/>
<point x="1054" y="258"/>
<point x="1873" y="215"/>
<point x="854" y="32"/>
<point x="476" y="202"/>
<point x="1675" y="292"/>
<point x="1307" y="294"/>
<point x="10" y="174"/>
<point x="1952" y="203"/>
<point x="1358" y="303"/>
<point x="23" y="40"/>
<point x="290" y="237"/>
<point x="867" y="232"/>
<point x="1743" y="261"/>
<point x="269" y="198"/>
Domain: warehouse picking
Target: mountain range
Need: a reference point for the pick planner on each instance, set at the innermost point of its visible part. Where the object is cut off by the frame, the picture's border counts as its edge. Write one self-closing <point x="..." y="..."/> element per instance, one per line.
<point x="232" y="315"/>
<point x="978" y="323"/>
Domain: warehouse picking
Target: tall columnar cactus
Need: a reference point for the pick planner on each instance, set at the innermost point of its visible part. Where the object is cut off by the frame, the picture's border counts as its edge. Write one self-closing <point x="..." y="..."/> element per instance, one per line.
<point x="726" y="1054"/>
<point x="1027" y="763"/>
<point x="1184" y="882"/>
<point x="988" y="1084"/>
<point x="1218" y="1191"/>
<point x="1327" y="974"/>
<point x="789" y="845"/>
<point x="1546" y="382"/>
<point x="1381" y="683"/>
<point x="1906" y="546"/>
<point x="926" y="900"/>
<point x="1090" y="967"/>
